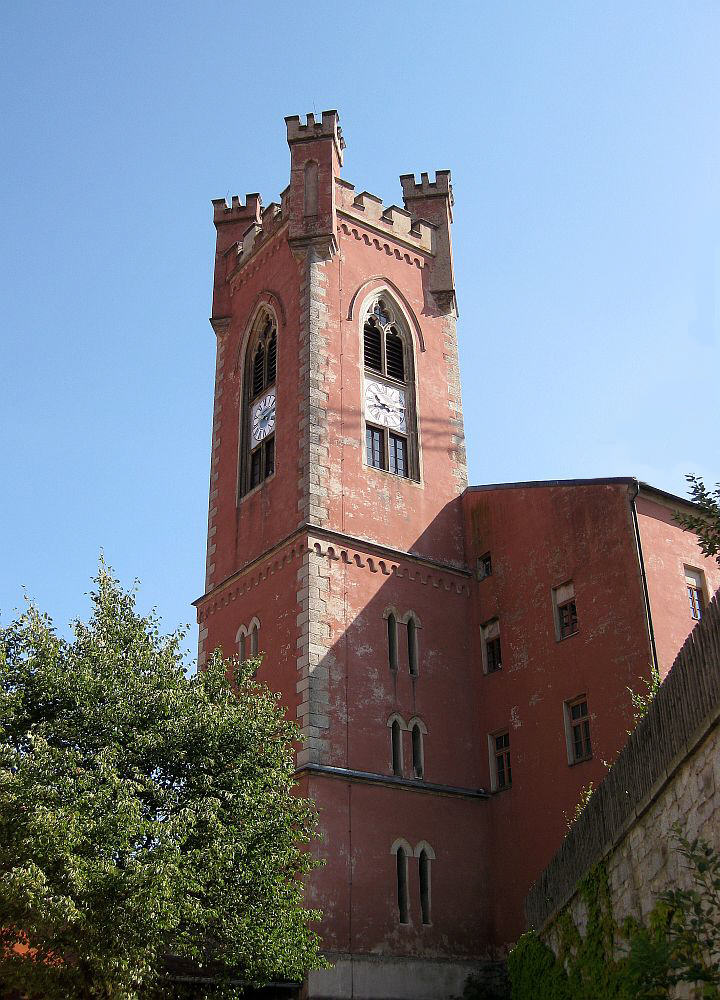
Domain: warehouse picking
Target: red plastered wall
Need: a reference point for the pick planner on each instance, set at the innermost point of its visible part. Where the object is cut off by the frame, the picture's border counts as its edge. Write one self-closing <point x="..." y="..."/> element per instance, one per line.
<point x="667" y="550"/>
<point x="540" y="538"/>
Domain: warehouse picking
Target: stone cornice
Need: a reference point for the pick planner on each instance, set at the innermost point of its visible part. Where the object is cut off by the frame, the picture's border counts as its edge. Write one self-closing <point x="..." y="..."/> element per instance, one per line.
<point x="372" y="778"/>
<point x="343" y="542"/>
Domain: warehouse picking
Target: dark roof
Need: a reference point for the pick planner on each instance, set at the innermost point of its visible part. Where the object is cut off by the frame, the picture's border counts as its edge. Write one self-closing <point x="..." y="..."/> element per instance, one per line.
<point x="601" y="481"/>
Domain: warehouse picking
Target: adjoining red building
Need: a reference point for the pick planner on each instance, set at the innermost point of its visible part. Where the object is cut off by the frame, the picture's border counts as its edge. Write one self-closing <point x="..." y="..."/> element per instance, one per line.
<point x="457" y="658"/>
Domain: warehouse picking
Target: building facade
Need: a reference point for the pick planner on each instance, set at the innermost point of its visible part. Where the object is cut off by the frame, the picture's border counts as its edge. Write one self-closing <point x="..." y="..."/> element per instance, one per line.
<point x="457" y="659"/>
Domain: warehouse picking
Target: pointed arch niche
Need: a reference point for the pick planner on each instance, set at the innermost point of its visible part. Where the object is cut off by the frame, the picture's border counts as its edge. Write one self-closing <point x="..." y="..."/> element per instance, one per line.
<point x="389" y="397"/>
<point x="259" y="400"/>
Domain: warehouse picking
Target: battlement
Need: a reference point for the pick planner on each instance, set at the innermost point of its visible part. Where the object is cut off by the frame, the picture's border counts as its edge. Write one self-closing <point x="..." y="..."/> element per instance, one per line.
<point x="390" y="219"/>
<point x="327" y="128"/>
<point x="427" y="188"/>
<point x="236" y="211"/>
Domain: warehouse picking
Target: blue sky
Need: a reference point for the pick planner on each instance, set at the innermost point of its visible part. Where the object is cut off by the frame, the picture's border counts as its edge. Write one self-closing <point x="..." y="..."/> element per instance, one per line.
<point x="584" y="141"/>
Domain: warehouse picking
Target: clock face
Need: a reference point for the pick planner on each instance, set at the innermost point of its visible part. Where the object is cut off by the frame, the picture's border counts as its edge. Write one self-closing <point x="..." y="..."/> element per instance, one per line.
<point x="385" y="405"/>
<point x="263" y="417"/>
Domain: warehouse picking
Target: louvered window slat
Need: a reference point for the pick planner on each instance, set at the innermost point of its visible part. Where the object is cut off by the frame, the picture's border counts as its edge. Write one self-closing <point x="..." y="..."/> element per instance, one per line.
<point x="258" y="380"/>
<point x="372" y="348"/>
<point x="394" y="356"/>
<point x="271" y="359"/>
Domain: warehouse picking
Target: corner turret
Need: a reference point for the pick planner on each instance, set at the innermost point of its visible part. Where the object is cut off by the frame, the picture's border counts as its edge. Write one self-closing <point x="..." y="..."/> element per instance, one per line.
<point x="316" y="151"/>
<point x="433" y="202"/>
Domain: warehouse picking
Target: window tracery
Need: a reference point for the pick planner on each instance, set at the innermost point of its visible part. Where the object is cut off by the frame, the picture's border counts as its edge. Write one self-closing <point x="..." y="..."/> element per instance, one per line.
<point x="259" y="405"/>
<point x="390" y="422"/>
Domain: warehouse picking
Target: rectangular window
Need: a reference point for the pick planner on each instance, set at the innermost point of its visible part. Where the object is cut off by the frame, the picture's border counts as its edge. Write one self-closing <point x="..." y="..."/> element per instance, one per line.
<point x="484" y="566"/>
<point x="255" y="467"/>
<point x="577" y="726"/>
<point x="565" y="609"/>
<point x="494" y="655"/>
<point x="501" y="750"/>
<point x="695" y="584"/>
<point x="491" y="648"/>
<point x="269" y="457"/>
<point x="398" y="455"/>
<point x="374" y="447"/>
<point x="567" y="618"/>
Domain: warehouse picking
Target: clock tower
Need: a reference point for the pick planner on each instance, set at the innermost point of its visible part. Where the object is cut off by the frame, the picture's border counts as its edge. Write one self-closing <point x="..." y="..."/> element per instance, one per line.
<point x="336" y="548"/>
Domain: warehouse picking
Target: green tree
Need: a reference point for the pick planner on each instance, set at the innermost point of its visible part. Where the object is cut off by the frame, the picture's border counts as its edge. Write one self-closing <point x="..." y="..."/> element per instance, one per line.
<point x="143" y="813"/>
<point x="706" y="523"/>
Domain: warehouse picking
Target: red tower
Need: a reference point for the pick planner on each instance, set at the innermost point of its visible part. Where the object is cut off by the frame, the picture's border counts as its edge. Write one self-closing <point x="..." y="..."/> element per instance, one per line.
<point x="335" y="546"/>
<point x="343" y="543"/>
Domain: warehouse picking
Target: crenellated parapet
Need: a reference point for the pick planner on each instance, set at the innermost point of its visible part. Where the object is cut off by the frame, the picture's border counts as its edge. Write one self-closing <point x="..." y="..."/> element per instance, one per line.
<point x="327" y="128"/>
<point x="318" y="202"/>
<point x="390" y="220"/>
<point x="441" y="187"/>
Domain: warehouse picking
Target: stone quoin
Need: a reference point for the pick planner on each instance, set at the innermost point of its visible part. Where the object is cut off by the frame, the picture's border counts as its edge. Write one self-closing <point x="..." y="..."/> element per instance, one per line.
<point x="457" y="658"/>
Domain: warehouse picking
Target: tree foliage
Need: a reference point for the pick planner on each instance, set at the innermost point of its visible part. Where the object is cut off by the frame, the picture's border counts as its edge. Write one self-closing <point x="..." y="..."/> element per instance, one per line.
<point x="706" y="522"/>
<point x="143" y="813"/>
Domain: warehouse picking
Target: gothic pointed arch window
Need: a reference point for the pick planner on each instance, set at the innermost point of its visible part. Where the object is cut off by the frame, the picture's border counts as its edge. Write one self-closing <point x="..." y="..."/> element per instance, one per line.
<point x="259" y="402"/>
<point x="391" y="441"/>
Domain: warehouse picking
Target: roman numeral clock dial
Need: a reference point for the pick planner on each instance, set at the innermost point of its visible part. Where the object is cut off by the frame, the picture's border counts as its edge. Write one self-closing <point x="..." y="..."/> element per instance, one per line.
<point x="263" y="417"/>
<point x="385" y="405"/>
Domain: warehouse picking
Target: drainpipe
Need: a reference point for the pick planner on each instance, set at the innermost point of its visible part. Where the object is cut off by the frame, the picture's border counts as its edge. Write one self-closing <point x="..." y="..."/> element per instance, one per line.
<point x="646" y="594"/>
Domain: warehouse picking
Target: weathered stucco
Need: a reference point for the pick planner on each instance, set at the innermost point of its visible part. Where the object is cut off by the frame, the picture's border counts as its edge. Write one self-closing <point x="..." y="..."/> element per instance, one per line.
<point x="326" y="548"/>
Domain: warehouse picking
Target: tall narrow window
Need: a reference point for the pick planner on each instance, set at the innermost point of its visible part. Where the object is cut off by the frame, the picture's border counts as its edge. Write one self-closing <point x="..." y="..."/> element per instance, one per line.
<point x="398" y="455"/>
<point x="392" y="640"/>
<point x="374" y="447"/>
<point x="484" y="566"/>
<point x="259" y="407"/>
<point x="242" y="646"/>
<point x="402" y="880"/>
<point x="412" y="638"/>
<point x="417" y="751"/>
<point x="501" y="753"/>
<point x="254" y="640"/>
<point x="391" y="438"/>
<point x="694" y="584"/>
<point x="491" y="647"/>
<point x="424" y="872"/>
<point x="577" y="727"/>
<point x="396" y="741"/>
<point x="566" y="616"/>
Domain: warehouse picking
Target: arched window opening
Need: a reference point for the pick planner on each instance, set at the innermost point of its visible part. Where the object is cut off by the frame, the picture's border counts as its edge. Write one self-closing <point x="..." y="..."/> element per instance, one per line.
<point x="417" y="752"/>
<point x="424" y="870"/>
<point x="396" y="741"/>
<point x="242" y="646"/>
<point x="402" y="885"/>
<point x="392" y="640"/>
<point x="259" y="408"/>
<point x="254" y="640"/>
<point x="412" y="647"/>
<point x="390" y="425"/>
